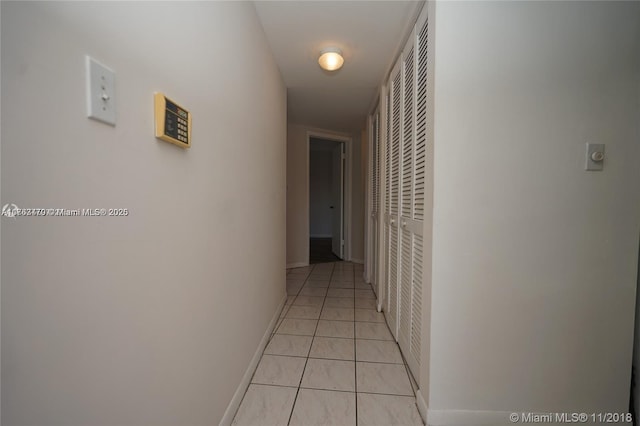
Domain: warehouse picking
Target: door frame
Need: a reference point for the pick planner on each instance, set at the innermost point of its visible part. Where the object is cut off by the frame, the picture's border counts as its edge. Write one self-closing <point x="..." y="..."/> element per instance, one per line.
<point x="371" y="246"/>
<point x="347" y="183"/>
<point x="339" y="150"/>
<point x="382" y="276"/>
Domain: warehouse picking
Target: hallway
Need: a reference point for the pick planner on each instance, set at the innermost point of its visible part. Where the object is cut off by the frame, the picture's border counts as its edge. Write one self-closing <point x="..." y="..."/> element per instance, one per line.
<point x="157" y="196"/>
<point x="331" y="360"/>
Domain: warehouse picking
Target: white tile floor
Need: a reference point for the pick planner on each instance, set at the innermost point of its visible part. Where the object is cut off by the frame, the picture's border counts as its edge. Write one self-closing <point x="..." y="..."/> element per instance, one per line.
<point x="332" y="359"/>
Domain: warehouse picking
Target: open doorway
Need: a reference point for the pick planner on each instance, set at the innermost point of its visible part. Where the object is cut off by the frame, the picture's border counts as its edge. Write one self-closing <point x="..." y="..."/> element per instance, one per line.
<point x="326" y="200"/>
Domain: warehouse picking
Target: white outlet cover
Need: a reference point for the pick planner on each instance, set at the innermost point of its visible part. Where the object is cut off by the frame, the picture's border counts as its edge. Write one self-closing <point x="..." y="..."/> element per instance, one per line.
<point x="101" y="93"/>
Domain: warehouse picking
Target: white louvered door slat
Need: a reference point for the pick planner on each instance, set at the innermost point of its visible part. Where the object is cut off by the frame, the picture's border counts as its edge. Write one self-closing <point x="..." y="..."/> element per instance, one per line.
<point x="394" y="190"/>
<point x="404" y="181"/>
<point x="407" y="141"/>
<point x="374" y="171"/>
<point x="416" y="305"/>
<point x="413" y="351"/>
<point x="375" y="201"/>
<point x="404" y="327"/>
<point x="385" y="181"/>
<point x="421" y="124"/>
<point x="387" y="175"/>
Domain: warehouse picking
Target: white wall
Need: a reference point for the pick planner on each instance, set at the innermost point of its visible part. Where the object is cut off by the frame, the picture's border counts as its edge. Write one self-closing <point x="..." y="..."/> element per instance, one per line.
<point x="297" y="208"/>
<point x="535" y="259"/>
<point x="320" y="195"/>
<point x="150" y="319"/>
<point x="297" y="195"/>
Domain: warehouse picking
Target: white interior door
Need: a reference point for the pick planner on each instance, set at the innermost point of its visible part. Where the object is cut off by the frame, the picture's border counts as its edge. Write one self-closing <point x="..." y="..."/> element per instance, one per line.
<point x="412" y="198"/>
<point x="422" y="168"/>
<point x="394" y="153"/>
<point x="385" y="185"/>
<point x="403" y="154"/>
<point x="337" y="194"/>
<point x="406" y="197"/>
<point x="375" y="190"/>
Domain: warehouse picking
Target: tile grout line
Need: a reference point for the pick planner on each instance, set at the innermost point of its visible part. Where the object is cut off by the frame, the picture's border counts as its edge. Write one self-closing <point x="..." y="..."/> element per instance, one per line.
<point x="293" y="407"/>
<point x="333" y="390"/>
<point x="355" y="349"/>
<point x="315" y="335"/>
<point x="331" y="359"/>
<point x="278" y="323"/>
<point x="286" y="309"/>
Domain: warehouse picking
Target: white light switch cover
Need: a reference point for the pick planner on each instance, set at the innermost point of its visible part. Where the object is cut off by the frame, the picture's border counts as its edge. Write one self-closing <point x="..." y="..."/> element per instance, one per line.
<point x="101" y="94"/>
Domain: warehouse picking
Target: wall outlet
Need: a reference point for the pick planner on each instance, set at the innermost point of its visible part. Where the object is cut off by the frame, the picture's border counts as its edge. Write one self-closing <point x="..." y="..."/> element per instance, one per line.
<point x="101" y="94"/>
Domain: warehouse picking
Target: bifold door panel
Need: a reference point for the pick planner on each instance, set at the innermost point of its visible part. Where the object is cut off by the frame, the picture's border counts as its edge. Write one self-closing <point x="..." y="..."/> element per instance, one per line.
<point x="398" y="191"/>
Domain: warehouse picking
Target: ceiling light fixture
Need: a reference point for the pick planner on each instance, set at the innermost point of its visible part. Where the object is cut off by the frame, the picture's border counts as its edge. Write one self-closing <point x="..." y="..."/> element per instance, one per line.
<point x="331" y="59"/>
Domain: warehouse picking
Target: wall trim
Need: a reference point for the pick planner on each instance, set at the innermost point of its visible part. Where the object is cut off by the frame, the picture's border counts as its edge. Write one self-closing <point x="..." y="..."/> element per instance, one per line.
<point x="297" y="265"/>
<point x="347" y="139"/>
<point x="234" y="404"/>
<point x="359" y="261"/>
<point x="467" y="417"/>
<point x="422" y="406"/>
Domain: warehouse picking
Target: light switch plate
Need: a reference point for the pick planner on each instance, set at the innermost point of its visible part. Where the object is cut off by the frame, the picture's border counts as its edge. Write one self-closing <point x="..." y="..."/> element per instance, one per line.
<point x="590" y="164"/>
<point x="101" y="94"/>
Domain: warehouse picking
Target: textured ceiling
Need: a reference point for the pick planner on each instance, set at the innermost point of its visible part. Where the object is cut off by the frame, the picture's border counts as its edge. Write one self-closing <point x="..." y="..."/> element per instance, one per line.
<point x="369" y="33"/>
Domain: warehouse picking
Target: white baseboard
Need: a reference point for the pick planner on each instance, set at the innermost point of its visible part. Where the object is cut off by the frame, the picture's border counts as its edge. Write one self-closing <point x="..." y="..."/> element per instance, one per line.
<point x="462" y="417"/>
<point x="360" y="261"/>
<point x="466" y="417"/>
<point x="233" y="406"/>
<point x="321" y="236"/>
<point x="422" y="406"/>
<point x="297" y="265"/>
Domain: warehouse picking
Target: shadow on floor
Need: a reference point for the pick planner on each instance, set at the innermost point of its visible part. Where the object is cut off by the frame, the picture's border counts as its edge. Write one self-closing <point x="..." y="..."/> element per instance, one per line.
<point x="320" y="251"/>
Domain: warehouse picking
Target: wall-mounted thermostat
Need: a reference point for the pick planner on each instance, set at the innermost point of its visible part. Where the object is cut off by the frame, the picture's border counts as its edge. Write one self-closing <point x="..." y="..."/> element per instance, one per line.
<point x="173" y="123"/>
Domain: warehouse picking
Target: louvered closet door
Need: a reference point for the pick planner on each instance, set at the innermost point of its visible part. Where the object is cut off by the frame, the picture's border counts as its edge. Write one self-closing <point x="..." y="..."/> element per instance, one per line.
<point x="413" y="194"/>
<point x="406" y="197"/>
<point x="385" y="184"/>
<point x="394" y="148"/>
<point x="375" y="208"/>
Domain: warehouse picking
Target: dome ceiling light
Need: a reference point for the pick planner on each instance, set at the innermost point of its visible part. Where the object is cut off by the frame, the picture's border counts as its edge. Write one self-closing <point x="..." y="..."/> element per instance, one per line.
<point x="331" y="59"/>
